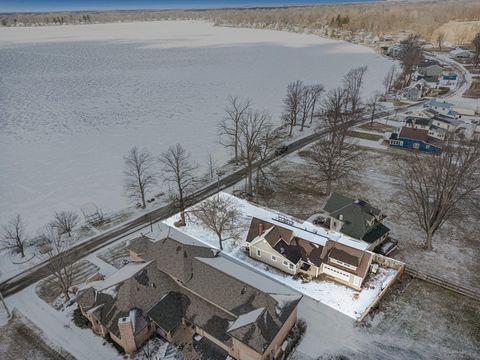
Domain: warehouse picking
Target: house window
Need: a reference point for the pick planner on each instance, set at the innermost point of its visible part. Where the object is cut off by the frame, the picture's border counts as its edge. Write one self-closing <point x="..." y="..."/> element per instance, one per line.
<point x="427" y="146"/>
<point x="401" y="143"/>
<point x="274" y="258"/>
<point x="259" y="253"/>
<point x="285" y="262"/>
<point x="416" y="146"/>
<point x="290" y="266"/>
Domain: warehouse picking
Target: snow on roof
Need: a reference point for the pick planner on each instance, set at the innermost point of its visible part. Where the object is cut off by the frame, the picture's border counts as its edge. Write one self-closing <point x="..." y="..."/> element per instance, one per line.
<point x="248" y="275"/>
<point x="163" y="230"/>
<point x="121" y="275"/>
<point x="246" y="319"/>
<point x="459" y="51"/>
<point x="436" y="103"/>
<point x="305" y="230"/>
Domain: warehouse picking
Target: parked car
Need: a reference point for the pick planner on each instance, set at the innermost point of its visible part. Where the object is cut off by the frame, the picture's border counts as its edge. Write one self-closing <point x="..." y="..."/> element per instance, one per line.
<point x="281" y="150"/>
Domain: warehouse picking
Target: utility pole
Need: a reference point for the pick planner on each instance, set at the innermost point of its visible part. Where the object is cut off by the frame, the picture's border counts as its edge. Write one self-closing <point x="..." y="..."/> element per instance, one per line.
<point x="5" y="305"/>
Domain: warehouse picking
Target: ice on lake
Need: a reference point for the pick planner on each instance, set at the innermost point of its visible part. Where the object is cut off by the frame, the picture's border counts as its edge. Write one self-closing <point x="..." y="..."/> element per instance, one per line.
<point x="74" y="99"/>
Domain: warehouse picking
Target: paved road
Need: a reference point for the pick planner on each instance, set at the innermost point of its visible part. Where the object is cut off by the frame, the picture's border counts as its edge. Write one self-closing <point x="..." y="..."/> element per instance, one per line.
<point x="40" y="271"/>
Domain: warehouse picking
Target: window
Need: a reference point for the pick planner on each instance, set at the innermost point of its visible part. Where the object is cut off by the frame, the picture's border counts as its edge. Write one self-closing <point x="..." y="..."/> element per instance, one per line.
<point x="427" y="146"/>
<point x="290" y="266"/>
<point x="259" y="253"/>
<point x="416" y="146"/>
<point x="401" y="143"/>
<point x="274" y="258"/>
<point x="285" y="262"/>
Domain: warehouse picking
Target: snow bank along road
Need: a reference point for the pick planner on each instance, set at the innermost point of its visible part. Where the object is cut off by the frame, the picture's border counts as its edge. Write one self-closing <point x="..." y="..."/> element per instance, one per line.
<point x="40" y="271"/>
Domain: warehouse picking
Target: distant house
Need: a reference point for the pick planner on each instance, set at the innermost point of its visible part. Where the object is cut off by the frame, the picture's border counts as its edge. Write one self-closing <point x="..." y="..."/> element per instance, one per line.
<point x="429" y="70"/>
<point x="179" y="288"/>
<point x="442" y="107"/>
<point x="437" y="132"/>
<point x="355" y="218"/>
<point x="418" y="122"/>
<point x="416" y="91"/>
<point x="460" y="54"/>
<point x="448" y="79"/>
<point x="281" y="247"/>
<point x="417" y="139"/>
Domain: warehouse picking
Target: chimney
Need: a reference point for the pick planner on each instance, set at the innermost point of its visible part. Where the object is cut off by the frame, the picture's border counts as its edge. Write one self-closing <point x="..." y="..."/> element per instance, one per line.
<point x="340" y="217"/>
<point x="260" y="228"/>
<point x="126" y="335"/>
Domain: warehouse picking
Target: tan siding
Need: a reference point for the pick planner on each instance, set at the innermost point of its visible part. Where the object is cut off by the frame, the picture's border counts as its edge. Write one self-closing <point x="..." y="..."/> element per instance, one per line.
<point x="266" y="257"/>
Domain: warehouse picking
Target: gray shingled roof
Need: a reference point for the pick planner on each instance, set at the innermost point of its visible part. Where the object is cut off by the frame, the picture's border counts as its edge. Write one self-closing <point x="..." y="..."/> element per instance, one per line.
<point x="172" y="256"/>
<point x="233" y="288"/>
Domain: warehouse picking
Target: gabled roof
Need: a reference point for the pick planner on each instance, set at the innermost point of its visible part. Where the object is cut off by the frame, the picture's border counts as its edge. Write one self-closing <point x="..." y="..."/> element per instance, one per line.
<point x="354" y="213"/>
<point x="258" y="334"/>
<point x="359" y="259"/>
<point x="413" y="134"/>
<point x="173" y="255"/>
<point x="418" y="120"/>
<point x="375" y="233"/>
<point x="213" y="292"/>
<point x="436" y="103"/>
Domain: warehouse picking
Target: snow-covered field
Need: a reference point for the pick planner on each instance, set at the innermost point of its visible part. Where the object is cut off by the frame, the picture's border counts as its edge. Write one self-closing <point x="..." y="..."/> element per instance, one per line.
<point x="74" y="99"/>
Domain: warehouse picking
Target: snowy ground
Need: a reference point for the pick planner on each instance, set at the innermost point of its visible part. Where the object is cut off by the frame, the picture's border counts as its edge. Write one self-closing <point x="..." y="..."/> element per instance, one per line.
<point x="74" y="99"/>
<point x="456" y="248"/>
<point x="339" y="297"/>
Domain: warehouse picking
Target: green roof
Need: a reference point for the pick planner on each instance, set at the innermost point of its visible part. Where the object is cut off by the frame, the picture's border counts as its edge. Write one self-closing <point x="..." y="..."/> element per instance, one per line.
<point x="355" y="214"/>
<point x="375" y="233"/>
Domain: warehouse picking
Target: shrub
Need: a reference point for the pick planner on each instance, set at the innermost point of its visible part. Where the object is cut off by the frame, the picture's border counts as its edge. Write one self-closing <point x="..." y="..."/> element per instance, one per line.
<point x="80" y="320"/>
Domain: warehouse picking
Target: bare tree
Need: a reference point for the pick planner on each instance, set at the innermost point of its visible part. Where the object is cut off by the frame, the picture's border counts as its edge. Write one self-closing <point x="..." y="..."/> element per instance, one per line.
<point x="220" y="215"/>
<point x="178" y="169"/>
<point x="228" y="128"/>
<point x="65" y="222"/>
<point x="335" y="155"/>
<point x="353" y="82"/>
<point x="292" y="104"/>
<point x="59" y="268"/>
<point x="139" y="174"/>
<point x="253" y="129"/>
<point x="440" y="38"/>
<point x="372" y="105"/>
<point x="271" y="139"/>
<point x="410" y="56"/>
<point x="211" y="168"/>
<point x="317" y="91"/>
<point x="308" y="101"/>
<point x="389" y="79"/>
<point x="476" y="50"/>
<point x="436" y="187"/>
<point x="13" y="235"/>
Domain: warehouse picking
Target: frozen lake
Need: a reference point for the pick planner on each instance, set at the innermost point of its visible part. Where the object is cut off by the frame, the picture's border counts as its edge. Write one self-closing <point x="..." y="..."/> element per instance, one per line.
<point x="75" y="99"/>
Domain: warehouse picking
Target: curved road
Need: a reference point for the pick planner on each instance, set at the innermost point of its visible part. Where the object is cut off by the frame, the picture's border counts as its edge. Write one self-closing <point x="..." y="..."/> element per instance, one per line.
<point x="40" y="271"/>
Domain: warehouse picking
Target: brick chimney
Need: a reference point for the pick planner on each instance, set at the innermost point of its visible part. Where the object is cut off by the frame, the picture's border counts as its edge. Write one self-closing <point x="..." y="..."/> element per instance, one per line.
<point x="126" y="335"/>
<point x="260" y="228"/>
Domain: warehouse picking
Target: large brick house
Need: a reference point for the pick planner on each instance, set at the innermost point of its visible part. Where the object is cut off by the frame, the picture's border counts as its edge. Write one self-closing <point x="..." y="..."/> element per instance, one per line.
<point x="175" y="285"/>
